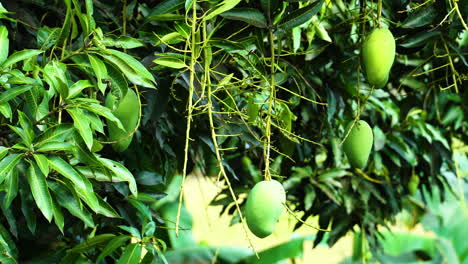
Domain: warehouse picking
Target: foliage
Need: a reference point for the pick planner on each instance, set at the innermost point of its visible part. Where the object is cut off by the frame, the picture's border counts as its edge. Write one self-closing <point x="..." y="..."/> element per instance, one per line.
<point x="237" y="89"/>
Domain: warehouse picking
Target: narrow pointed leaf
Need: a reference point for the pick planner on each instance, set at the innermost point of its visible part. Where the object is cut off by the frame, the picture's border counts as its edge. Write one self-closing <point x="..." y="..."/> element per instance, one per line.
<point x="91" y="243"/>
<point x="8" y="163"/>
<point x="121" y="173"/>
<point x="114" y="244"/>
<point x="80" y="183"/>
<point x="11" y="188"/>
<point x="81" y="123"/>
<point x="20" y="56"/>
<point x="13" y="93"/>
<point x="37" y="183"/>
<point x="300" y="16"/>
<point x="131" y="254"/>
<point x="248" y="15"/>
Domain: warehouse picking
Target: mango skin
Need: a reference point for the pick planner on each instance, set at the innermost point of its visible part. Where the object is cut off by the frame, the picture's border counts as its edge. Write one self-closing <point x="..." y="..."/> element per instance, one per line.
<point x="128" y="112"/>
<point x="378" y="55"/>
<point x="358" y="144"/>
<point x="264" y="206"/>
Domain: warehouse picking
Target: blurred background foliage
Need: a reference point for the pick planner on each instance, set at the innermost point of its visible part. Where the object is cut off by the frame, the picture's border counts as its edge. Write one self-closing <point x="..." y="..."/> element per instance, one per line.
<point x="262" y="88"/>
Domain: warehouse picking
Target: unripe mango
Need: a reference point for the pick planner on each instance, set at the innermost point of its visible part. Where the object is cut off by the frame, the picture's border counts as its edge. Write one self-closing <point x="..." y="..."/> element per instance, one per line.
<point x="264" y="206"/>
<point x="128" y="112"/>
<point x="378" y="54"/>
<point x="358" y="144"/>
<point x="413" y="184"/>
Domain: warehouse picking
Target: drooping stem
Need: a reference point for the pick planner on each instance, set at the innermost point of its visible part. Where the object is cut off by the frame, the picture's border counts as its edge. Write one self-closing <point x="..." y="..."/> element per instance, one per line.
<point x="271" y="98"/>
<point x="189" y="108"/>
<point x="379" y="12"/>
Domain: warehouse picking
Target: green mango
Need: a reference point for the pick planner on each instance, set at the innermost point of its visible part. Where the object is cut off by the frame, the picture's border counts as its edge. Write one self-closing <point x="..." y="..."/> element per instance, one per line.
<point x="378" y="54"/>
<point x="358" y="144"/>
<point x="413" y="184"/>
<point x="128" y="112"/>
<point x="264" y="206"/>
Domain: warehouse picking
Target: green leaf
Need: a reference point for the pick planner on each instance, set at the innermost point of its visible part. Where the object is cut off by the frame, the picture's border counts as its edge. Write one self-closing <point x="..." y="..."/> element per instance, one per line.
<point x="106" y="209"/>
<point x="142" y="208"/>
<point x="20" y="56"/>
<point x="8" y="164"/>
<point x="5" y="109"/>
<point x="91" y="243"/>
<point x="166" y="7"/>
<point x="68" y="201"/>
<point x="222" y="7"/>
<point x="131" y="254"/>
<point x="421" y="17"/>
<point x="419" y="39"/>
<point x="28" y="209"/>
<point x="118" y="85"/>
<point x="3" y="152"/>
<point x="114" y="244"/>
<point x="60" y="132"/>
<point x="132" y="68"/>
<point x="121" y="173"/>
<point x="65" y="32"/>
<point x="104" y="112"/>
<point x="300" y="16"/>
<point x="55" y="146"/>
<point x="100" y="71"/>
<point x="55" y="76"/>
<point x="77" y="87"/>
<point x="248" y="15"/>
<point x="37" y="183"/>
<point x="81" y="184"/>
<point x="123" y="42"/>
<point x="170" y="62"/>
<point x="11" y="93"/>
<point x="4" y="44"/>
<point x="81" y="123"/>
<point x="11" y="187"/>
<point x="58" y="216"/>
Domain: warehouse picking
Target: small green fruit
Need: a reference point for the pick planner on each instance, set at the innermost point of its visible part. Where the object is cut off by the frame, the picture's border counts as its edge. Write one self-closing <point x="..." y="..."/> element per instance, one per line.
<point x="264" y="206"/>
<point x="413" y="184"/>
<point x="358" y="144"/>
<point x="128" y="112"/>
<point x="378" y="54"/>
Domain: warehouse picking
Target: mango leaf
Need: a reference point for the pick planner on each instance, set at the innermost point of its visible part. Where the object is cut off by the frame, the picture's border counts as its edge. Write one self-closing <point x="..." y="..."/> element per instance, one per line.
<point x="11" y="93"/>
<point x="58" y="216"/>
<point x="166" y="7"/>
<point x="91" y="243"/>
<point x="81" y="124"/>
<point x="118" y="85"/>
<point x="300" y="16"/>
<point x="170" y="62"/>
<point x="11" y="188"/>
<point x="222" y="7"/>
<point x="37" y="183"/>
<point x="77" y="87"/>
<point x="106" y="209"/>
<point x="114" y="244"/>
<point x="131" y="254"/>
<point x="80" y="183"/>
<point x="60" y="132"/>
<point x="28" y="209"/>
<point x="421" y="17"/>
<point x="419" y="39"/>
<point x="65" y="31"/>
<point x="100" y="71"/>
<point x="55" y="146"/>
<point x="68" y="201"/>
<point x="121" y="173"/>
<point x="4" y="44"/>
<point x="42" y="163"/>
<point x="8" y="164"/>
<point x="20" y="56"/>
<point x="132" y="68"/>
<point x="248" y="15"/>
